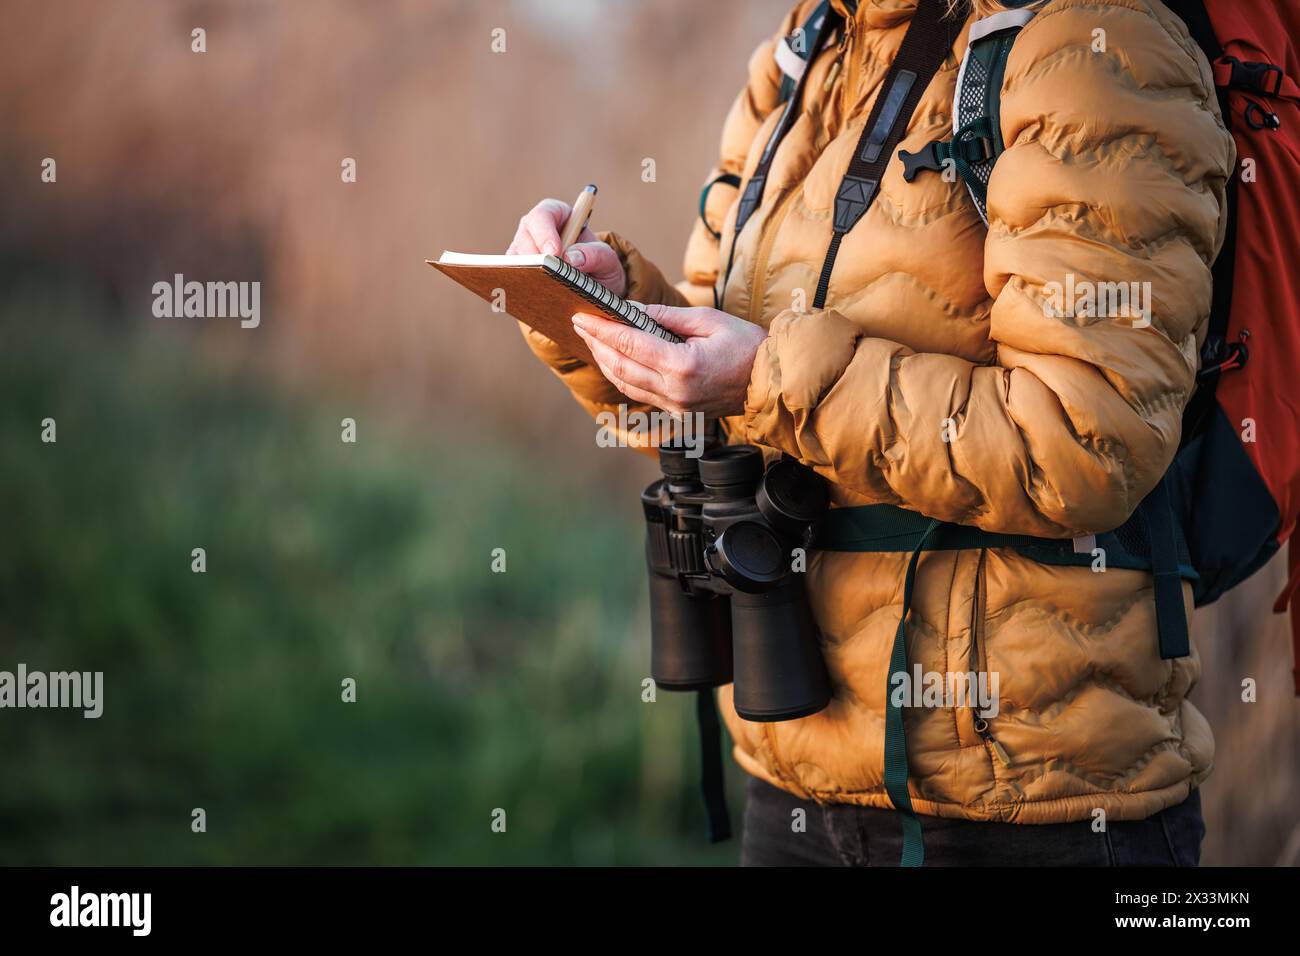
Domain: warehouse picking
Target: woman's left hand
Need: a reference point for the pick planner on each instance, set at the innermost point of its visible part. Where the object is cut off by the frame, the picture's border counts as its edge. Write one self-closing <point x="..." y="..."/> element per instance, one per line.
<point x="708" y="373"/>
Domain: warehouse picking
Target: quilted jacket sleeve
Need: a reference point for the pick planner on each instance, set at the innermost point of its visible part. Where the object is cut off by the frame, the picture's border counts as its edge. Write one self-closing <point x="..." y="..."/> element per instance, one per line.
<point x="1115" y="172"/>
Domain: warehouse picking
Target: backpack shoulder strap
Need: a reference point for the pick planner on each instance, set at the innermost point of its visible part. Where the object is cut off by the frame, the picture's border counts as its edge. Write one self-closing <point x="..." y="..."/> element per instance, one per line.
<point x="976" y="141"/>
<point x="793" y="52"/>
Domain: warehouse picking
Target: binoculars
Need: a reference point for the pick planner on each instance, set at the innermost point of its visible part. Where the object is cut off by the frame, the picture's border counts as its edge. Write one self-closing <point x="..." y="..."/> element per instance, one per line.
<point x="726" y="604"/>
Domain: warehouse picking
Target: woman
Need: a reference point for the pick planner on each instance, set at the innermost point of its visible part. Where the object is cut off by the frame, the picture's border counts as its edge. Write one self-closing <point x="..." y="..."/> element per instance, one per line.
<point x="934" y="378"/>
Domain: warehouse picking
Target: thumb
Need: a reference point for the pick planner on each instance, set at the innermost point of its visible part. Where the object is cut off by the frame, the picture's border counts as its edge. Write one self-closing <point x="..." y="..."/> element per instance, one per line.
<point x="596" y="259"/>
<point x="690" y="322"/>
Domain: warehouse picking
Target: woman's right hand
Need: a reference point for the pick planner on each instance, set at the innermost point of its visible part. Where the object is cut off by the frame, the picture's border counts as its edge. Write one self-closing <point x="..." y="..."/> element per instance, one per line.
<point x="539" y="231"/>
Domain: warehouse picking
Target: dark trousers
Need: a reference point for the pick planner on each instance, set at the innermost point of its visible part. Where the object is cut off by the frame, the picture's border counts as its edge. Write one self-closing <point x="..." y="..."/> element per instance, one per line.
<point x="847" y="835"/>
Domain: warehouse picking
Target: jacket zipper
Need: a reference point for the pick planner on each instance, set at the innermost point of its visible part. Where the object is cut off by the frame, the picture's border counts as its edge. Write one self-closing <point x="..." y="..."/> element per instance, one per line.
<point x="765" y="244"/>
<point x="982" y="728"/>
<point x="848" y="86"/>
<point x="977" y="659"/>
<point x="840" y="50"/>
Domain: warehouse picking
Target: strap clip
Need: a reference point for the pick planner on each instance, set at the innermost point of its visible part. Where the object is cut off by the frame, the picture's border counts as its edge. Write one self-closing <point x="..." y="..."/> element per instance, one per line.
<point x="927" y="157"/>
<point x="932" y="156"/>
<point x="1249" y="75"/>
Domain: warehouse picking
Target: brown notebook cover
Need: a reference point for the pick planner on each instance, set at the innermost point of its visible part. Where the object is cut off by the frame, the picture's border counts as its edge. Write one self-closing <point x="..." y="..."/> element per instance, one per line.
<point x="544" y="292"/>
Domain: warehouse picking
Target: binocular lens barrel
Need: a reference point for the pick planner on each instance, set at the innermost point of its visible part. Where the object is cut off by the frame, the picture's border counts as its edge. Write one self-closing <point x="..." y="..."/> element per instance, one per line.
<point x="779" y="671"/>
<point x="690" y="647"/>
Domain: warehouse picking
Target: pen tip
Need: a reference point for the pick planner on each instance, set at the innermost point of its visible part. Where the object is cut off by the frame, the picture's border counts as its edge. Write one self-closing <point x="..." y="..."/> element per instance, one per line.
<point x="591" y="187"/>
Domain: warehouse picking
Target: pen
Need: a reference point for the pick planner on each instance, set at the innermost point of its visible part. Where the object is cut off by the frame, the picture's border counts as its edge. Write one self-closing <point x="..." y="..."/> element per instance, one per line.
<point x="578" y="218"/>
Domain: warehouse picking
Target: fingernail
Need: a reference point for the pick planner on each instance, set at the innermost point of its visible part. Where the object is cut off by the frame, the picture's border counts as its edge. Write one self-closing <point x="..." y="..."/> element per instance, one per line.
<point x="575" y="257"/>
<point x="580" y="322"/>
<point x="550" y="247"/>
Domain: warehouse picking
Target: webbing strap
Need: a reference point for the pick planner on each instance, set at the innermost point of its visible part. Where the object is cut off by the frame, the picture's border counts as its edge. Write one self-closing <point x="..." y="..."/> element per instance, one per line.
<point x="712" y="781"/>
<point x="972" y="143"/>
<point x="728" y="179"/>
<point x="804" y="34"/>
<point x="889" y="528"/>
<point x="928" y="40"/>
<point x="1171" y="618"/>
<point x="883" y="528"/>
<point x="752" y="196"/>
<point x="896" y="769"/>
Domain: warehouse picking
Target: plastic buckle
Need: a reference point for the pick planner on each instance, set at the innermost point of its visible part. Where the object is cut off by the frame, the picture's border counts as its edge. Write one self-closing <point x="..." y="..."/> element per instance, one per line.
<point x="1250" y="75"/>
<point x="927" y="157"/>
<point x="978" y="150"/>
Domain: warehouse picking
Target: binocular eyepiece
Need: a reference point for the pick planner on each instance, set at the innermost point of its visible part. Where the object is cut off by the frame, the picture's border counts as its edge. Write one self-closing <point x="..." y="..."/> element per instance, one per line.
<point x="726" y="604"/>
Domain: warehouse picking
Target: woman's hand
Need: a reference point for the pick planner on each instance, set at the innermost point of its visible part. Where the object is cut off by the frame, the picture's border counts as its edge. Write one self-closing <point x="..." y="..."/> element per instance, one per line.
<point x="539" y="231"/>
<point x="708" y="373"/>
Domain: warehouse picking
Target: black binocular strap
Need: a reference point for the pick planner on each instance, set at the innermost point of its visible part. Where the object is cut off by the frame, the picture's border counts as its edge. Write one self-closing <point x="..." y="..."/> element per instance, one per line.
<point x="927" y="42"/>
<point x="712" y="782"/>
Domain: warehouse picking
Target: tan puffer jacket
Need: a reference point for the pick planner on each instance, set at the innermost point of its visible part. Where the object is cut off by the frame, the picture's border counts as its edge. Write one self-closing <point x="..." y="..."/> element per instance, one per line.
<point x="1058" y="427"/>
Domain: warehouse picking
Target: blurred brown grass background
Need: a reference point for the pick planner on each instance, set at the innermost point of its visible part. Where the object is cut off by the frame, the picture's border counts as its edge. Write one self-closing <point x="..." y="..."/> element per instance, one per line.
<point x="226" y="165"/>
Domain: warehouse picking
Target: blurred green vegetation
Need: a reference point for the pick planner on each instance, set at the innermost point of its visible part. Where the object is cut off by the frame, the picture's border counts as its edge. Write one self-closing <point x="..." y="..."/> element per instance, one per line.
<point x="325" y="560"/>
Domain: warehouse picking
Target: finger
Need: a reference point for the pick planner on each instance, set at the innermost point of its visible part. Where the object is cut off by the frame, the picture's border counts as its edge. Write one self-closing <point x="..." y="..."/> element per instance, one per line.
<point x="631" y="391"/>
<point x="641" y="395"/>
<point x="640" y="347"/>
<point x="522" y="244"/>
<point x="543" y="223"/>
<point x="591" y="257"/>
<point x="691" y="322"/>
<point x="620" y="369"/>
<point x="596" y="259"/>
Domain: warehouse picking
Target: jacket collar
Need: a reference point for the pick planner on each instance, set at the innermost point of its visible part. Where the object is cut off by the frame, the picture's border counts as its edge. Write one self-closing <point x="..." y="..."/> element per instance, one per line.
<point x="877" y="13"/>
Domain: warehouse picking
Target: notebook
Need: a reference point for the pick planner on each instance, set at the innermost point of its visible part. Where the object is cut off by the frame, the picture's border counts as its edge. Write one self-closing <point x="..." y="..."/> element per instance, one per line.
<point x="544" y="292"/>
